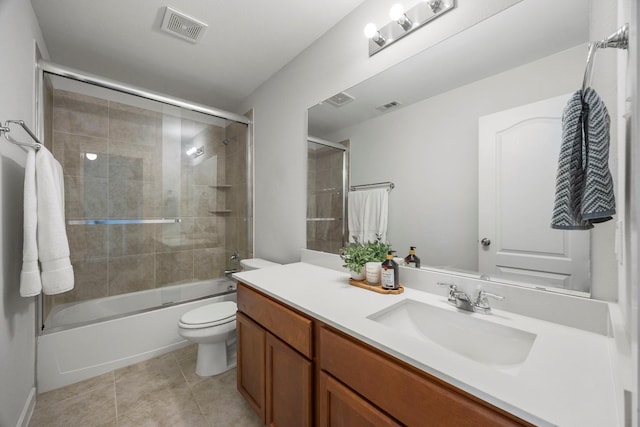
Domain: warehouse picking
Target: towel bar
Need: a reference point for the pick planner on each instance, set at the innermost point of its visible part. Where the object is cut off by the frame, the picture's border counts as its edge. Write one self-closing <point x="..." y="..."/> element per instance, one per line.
<point x="6" y="129"/>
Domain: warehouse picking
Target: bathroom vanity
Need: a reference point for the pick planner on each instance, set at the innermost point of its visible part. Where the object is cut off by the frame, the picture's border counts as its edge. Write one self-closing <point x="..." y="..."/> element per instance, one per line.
<point x="313" y="350"/>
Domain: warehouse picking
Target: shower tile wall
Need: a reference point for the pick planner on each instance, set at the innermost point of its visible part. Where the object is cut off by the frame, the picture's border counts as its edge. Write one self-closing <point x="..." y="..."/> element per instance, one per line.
<point x="324" y="199"/>
<point x="141" y="171"/>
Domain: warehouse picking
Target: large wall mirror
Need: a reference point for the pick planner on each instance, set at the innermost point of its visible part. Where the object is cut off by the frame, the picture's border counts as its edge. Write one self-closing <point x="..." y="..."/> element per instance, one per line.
<point x="418" y="125"/>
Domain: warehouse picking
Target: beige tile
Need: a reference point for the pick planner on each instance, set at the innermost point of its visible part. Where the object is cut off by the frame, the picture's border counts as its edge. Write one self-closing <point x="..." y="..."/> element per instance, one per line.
<point x="44" y="400"/>
<point x="71" y="151"/>
<point x="174" y="267"/>
<point x="131" y="273"/>
<point x="166" y="408"/>
<point x="131" y="239"/>
<point x="139" y="384"/>
<point x="175" y="237"/>
<point x="80" y="114"/>
<point x="188" y="352"/>
<point x="133" y="125"/>
<point x="94" y="407"/>
<point x="87" y="241"/>
<point x="210" y="263"/>
<point x="188" y="368"/>
<point x="208" y="232"/>
<point x="90" y="281"/>
<point x="85" y="197"/>
<point x="222" y="404"/>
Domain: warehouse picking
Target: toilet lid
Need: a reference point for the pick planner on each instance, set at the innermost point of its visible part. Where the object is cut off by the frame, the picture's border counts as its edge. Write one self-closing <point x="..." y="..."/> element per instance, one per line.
<point x="216" y="313"/>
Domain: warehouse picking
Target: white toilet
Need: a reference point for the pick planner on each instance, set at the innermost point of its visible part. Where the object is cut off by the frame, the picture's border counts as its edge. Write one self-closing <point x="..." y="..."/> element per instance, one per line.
<point x="213" y="328"/>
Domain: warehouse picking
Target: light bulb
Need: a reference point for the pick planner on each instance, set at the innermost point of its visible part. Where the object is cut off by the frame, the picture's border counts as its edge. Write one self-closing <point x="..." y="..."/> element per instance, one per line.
<point x="396" y="12"/>
<point x="370" y="30"/>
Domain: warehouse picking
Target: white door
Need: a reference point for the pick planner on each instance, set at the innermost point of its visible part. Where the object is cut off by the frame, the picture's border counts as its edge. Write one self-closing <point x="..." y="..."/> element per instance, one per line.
<point x="518" y="157"/>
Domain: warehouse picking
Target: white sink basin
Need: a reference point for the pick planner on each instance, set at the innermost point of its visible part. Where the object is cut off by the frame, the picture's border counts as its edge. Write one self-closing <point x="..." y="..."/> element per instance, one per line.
<point x="503" y="347"/>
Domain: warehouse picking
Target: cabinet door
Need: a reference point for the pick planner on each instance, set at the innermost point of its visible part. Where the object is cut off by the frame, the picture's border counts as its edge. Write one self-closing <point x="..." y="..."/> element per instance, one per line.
<point x="338" y="406"/>
<point x="289" y="386"/>
<point x="251" y="363"/>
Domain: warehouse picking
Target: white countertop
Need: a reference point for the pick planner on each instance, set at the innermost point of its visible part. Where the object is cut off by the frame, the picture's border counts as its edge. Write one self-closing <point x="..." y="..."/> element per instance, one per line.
<point x="568" y="379"/>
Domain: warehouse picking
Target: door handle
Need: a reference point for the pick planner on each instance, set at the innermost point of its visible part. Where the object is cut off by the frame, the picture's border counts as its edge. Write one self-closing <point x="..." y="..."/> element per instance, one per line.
<point x="485" y="242"/>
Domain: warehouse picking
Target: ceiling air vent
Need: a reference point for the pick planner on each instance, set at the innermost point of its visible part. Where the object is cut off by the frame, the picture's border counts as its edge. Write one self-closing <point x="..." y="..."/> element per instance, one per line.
<point x="183" y="26"/>
<point x="388" y="106"/>
<point x="340" y="99"/>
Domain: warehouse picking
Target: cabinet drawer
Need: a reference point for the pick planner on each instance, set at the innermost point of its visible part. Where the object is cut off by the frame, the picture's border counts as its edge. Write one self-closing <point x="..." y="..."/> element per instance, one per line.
<point x="288" y="325"/>
<point x="412" y="397"/>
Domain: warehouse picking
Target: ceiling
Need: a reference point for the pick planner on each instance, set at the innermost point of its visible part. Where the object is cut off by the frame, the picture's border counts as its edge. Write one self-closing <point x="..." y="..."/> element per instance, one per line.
<point x="246" y="42"/>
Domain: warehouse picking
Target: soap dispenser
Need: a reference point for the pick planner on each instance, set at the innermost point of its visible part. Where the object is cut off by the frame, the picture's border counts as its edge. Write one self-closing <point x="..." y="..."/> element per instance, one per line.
<point x="389" y="274"/>
<point x="412" y="260"/>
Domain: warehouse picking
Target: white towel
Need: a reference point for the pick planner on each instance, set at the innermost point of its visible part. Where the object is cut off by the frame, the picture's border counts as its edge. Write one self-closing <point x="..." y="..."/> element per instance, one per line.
<point x="368" y="211"/>
<point x="30" y="283"/>
<point x="52" y="246"/>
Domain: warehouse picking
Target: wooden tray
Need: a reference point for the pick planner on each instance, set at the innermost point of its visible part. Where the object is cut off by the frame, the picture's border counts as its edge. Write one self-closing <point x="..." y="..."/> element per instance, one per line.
<point x="375" y="288"/>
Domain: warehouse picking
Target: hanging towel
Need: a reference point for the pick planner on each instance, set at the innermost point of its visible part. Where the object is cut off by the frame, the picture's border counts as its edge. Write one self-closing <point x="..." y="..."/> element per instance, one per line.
<point x="46" y="235"/>
<point x="584" y="188"/>
<point x="368" y="211"/>
<point x="598" y="199"/>
<point x="30" y="283"/>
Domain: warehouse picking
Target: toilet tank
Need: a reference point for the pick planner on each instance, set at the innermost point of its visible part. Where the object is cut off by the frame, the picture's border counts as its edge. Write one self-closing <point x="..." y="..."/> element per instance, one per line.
<point x="255" y="264"/>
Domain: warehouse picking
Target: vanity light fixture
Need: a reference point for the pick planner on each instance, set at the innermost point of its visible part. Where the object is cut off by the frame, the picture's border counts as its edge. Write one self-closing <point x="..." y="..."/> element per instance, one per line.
<point x="195" y="151"/>
<point x="405" y="22"/>
<point x="372" y="33"/>
<point x="397" y="14"/>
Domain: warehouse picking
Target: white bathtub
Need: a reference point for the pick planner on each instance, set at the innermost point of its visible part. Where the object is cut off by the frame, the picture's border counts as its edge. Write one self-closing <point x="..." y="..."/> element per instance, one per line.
<point x="86" y="339"/>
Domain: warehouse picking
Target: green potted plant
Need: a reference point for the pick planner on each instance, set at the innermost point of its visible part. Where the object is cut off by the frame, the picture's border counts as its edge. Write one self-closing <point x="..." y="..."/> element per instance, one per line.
<point x="356" y="255"/>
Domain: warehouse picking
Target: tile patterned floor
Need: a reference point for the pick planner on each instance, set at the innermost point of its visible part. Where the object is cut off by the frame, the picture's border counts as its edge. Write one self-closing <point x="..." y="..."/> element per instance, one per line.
<point x="164" y="391"/>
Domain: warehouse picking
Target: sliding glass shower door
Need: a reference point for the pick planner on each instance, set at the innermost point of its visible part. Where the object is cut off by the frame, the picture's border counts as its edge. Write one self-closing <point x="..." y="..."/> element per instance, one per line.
<point x="326" y="184"/>
<point x="155" y="194"/>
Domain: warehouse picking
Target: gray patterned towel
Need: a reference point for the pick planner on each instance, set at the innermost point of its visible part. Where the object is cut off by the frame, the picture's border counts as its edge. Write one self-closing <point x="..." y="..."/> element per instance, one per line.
<point x="584" y="188"/>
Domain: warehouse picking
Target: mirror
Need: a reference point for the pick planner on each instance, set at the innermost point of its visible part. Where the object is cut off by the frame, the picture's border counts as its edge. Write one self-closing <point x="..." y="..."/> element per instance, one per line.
<point x="416" y="124"/>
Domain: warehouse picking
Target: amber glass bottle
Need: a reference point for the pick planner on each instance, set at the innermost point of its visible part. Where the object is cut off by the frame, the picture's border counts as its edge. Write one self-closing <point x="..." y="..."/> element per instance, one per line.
<point x="412" y="260"/>
<point x="389" y="275"/>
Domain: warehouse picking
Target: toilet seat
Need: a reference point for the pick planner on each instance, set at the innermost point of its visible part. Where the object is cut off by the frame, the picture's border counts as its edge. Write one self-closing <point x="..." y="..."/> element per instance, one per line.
<point x="209" y="315"/>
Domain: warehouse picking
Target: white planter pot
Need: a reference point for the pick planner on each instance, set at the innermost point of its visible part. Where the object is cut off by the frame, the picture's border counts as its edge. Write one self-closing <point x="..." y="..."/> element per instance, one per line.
<point x="373" y="272"/>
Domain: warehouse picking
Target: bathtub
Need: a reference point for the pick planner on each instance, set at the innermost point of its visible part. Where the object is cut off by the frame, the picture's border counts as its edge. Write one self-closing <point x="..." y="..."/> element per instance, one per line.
<point x="85" y="339"/>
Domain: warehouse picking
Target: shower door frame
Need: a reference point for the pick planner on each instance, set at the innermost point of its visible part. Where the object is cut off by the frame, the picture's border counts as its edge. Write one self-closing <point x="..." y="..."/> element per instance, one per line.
<point x="345" y="183"/>
<point x="93" y="79"/>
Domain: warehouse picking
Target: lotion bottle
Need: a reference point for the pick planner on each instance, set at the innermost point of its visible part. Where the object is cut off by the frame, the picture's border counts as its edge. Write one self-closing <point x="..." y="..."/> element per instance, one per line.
<point x="412" y="260"/>
<point x="389" y="274"/>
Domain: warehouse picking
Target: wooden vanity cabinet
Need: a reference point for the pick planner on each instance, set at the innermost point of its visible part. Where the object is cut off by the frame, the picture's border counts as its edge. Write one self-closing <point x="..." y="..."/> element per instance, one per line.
<point x="275" y="371"/>
<point x="290" y="365"/>
<point x="408" y="395"/>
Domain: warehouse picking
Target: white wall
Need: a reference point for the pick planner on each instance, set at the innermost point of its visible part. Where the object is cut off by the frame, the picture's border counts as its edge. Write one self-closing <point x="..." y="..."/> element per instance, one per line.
<point x="336" y="61"/>
<point x="18" y="29"/>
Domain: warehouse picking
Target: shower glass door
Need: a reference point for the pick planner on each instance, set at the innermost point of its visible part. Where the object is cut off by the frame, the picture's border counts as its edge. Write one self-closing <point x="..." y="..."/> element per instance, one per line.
<point x="155" y="194"/>
<point x="326" y="207"/>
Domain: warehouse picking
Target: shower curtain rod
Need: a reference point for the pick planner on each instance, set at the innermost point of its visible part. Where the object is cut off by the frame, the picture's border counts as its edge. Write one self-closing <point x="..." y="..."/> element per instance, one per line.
<point x="6" y="129"/>
<point x="389" y="184"/>
<point x="93" y="79"/>
<point x="618" y="40"/>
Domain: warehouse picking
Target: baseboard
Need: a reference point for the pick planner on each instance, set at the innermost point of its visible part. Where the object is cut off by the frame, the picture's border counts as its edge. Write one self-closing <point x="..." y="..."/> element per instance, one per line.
<point x="27" y="410"/>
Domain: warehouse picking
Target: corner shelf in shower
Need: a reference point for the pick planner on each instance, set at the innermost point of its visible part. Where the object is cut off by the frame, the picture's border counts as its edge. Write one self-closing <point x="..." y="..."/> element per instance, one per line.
<point x="221" y="187"/>
<point x="221" y="211"/>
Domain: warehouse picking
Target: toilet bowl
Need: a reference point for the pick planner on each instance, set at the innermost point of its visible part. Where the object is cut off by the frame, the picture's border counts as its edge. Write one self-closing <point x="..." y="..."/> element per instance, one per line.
<point x="213" y="328"/>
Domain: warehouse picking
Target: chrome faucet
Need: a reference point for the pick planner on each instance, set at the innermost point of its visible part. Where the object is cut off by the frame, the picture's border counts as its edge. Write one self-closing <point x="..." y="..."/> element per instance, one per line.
<point x="463" y="301"/>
